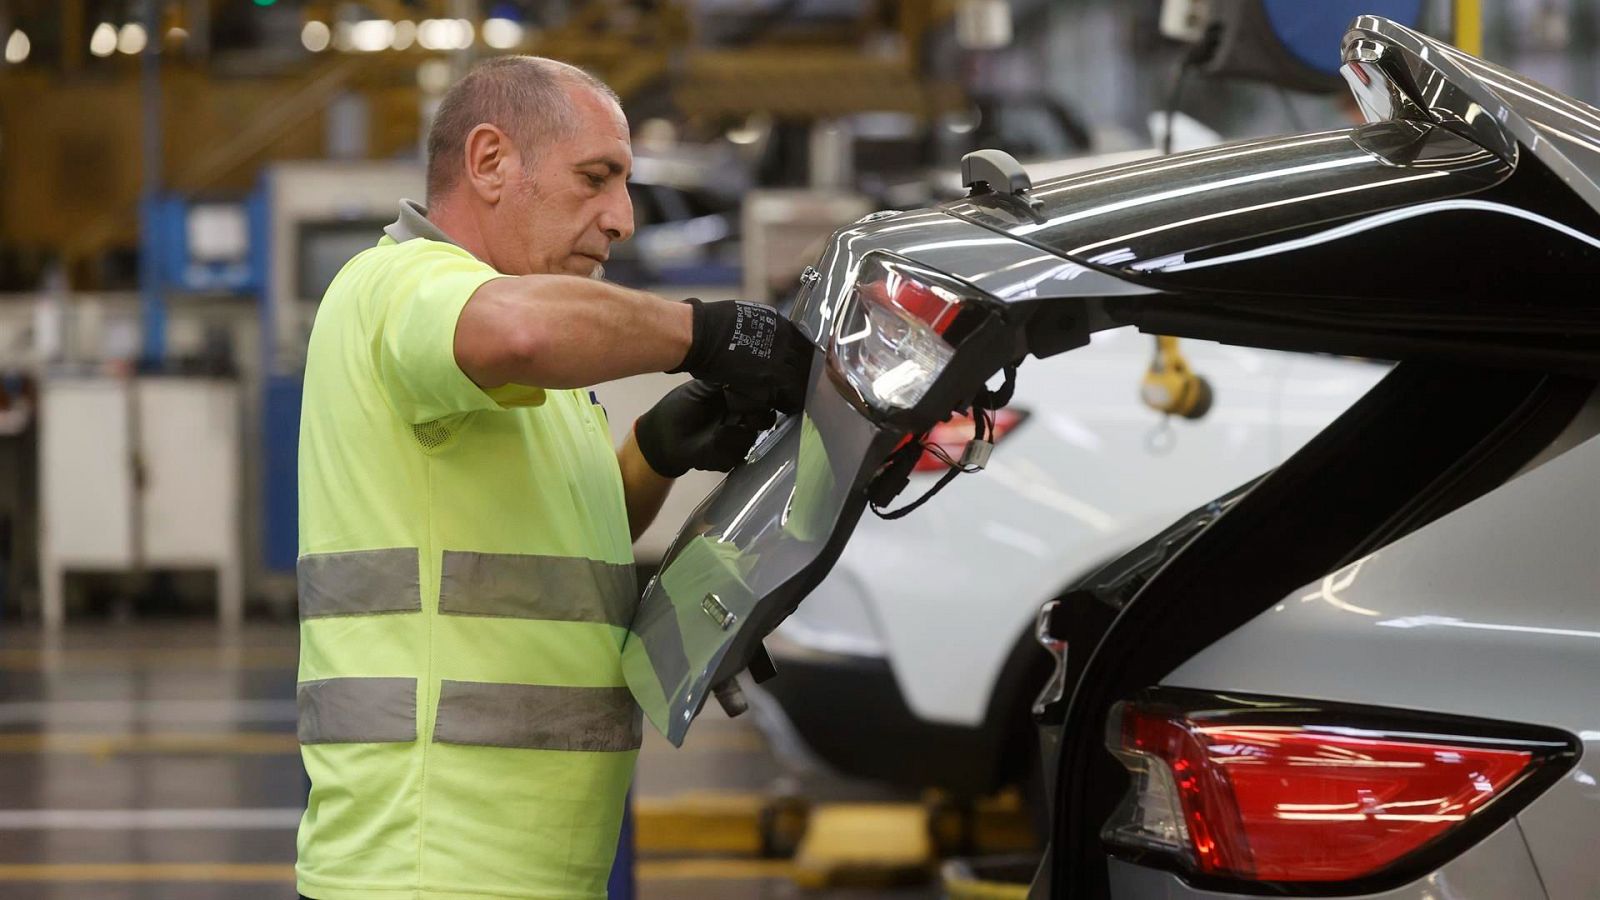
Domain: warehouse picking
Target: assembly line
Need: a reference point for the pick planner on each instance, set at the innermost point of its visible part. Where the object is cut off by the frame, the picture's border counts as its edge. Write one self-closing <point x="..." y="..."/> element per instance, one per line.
<point x="960" y="449"/>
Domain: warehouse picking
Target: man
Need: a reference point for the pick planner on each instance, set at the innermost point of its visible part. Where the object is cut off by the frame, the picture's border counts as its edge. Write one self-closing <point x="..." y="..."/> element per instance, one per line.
<point x="466" y="570"/>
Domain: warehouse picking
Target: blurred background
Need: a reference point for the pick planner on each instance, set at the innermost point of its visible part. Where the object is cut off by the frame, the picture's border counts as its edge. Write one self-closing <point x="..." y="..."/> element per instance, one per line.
<point x="181" y="179"/>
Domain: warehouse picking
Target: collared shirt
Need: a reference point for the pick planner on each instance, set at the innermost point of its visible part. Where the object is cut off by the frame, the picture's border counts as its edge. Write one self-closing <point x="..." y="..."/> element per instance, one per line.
<point x="466" y="583"/>
<point x="414" y="223"/>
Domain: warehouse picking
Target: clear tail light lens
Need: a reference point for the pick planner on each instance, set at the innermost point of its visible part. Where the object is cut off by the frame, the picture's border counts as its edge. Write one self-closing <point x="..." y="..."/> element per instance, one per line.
<point x="1286" y="792"/>
<point x="890" y="342"/>
<point x="953" y="435"/>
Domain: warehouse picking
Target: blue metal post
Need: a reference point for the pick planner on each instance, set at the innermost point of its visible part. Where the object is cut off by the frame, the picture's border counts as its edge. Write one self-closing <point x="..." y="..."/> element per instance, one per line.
<point x="152" y="307"/>
<point x="261" y="252"/>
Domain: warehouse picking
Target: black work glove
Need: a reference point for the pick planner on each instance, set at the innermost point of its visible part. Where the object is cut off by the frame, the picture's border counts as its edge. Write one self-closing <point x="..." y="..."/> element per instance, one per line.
<point x="699" y="426"/>
<point x="752" y="348"/>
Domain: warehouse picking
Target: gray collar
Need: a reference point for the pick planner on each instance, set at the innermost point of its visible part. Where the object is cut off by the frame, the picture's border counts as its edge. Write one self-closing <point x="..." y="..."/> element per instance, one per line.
<point x="414" y="223"/>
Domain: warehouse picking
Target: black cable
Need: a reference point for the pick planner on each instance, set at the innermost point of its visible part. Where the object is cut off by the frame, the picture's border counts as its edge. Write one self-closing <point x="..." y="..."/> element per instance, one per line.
<point x="983" y="407"/>
<point x="1196" y="55"/>
<point x="1001" y="396"/>
<point x="944" y="479"/>
<point x="1174" y="94"/>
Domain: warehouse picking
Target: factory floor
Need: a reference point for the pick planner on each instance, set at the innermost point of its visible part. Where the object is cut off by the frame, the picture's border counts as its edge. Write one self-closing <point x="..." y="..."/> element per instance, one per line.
<point x="159" y="761"/>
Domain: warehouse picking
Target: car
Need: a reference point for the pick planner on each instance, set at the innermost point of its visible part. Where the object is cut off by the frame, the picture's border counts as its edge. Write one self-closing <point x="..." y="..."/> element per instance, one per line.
<point x="1082" y="471"/>
<point x="1369" y="672"/>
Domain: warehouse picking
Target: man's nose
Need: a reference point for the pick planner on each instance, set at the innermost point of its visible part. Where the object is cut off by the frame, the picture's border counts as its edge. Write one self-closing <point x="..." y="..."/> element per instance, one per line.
<point x="616" y="220"/>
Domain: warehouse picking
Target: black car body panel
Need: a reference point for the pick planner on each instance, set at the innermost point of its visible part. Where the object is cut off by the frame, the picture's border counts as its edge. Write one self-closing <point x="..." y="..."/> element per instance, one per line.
<point x="1460" y="146"/>
<point x="1458" y="226"/>
<point x="1200" y="219"/>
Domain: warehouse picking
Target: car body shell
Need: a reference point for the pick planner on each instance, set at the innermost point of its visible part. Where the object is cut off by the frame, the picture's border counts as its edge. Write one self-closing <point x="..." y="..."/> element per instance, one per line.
<point x="1459" y="229"/>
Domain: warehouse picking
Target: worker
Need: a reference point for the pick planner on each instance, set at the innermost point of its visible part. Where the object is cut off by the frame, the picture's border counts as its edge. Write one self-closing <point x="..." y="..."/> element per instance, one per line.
<point x="466" y="573"/>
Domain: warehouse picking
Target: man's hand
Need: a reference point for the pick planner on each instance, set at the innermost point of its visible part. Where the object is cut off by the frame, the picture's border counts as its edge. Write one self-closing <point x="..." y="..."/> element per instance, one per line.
<point x="694" y="427"/>
<point x="751" y="348"/>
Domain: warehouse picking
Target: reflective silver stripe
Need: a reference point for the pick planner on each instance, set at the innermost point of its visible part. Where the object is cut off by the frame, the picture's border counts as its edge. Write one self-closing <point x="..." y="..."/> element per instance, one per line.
<point x="357" y="710"/>
<point x="525" y="586"/>
<point x="538" y="717"/>
<point x="358" y="582"/>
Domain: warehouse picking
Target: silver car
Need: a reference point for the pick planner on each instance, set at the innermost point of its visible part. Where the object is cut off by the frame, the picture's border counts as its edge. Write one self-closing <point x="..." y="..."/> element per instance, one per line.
<point x="1370" y="672"/>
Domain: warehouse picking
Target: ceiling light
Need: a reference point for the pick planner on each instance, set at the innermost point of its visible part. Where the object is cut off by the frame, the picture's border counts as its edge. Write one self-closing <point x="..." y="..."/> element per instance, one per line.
<point x="434" y="34"/>
<point x="502" y="34"/>
<point x="132" y="39"/>
<point x="372" y="35"/>
<point x="445" y="34"/>
<point x="17" y="47"/>
<point x="104" y="40"/>
<point x="315" y="36"/>
<point x="405" y="34"/>
<point x="433" y="76"/>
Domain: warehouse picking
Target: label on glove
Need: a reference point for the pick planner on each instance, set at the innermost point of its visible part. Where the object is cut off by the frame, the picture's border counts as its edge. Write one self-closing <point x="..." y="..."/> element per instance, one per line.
<point x="754" y="329"/>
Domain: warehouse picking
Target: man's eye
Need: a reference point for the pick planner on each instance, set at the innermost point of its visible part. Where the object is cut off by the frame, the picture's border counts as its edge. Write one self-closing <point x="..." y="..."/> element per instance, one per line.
<point x="595" y="180"/>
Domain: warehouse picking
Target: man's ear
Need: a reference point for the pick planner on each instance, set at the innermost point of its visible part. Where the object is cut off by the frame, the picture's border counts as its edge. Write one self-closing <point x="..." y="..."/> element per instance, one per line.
<point x="488" y="161"/>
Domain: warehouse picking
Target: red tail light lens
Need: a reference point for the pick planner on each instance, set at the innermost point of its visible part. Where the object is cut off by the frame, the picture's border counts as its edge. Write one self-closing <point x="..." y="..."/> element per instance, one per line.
<point x="1276" y="791"/>
<point x="930" y="303"/>
<point x="953" y="436"/>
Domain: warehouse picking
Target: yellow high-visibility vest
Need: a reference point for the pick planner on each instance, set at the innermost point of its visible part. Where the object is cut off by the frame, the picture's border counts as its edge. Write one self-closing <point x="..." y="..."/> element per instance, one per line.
<point x="466" y="580"/>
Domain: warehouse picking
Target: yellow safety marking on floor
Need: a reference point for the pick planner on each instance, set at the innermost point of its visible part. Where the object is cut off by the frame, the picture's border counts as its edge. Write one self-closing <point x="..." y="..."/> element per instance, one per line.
<point x="144" y="872"/>
<point x="865" y="844"/>
<point x="36" y="659"/>
<point x="233" y="743"/>
<point x="973" y="889"/>
<point x="713" y="869"/>
<point x="699" y="822"/>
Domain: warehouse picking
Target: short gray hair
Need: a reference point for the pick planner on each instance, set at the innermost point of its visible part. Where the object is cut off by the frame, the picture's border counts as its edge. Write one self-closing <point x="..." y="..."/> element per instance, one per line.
<point x="525" y="96"/>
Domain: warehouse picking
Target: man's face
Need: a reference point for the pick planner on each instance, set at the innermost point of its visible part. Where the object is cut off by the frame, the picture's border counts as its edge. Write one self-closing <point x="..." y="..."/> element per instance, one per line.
<point x="571" y="201"/>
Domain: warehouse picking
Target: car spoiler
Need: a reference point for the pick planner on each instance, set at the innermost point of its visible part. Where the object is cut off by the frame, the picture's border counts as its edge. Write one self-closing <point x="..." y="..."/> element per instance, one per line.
<point x="1397" y="73"/>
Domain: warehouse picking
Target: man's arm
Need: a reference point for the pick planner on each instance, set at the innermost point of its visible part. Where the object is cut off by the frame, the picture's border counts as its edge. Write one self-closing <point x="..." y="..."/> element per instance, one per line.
<point x="561" y="331"/>
<point x="643" y="490"/>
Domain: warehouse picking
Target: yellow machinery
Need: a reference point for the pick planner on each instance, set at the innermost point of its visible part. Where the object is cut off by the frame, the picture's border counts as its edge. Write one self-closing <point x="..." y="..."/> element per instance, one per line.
<point x="71" y="127"/>
<point x="1170" y="386"/>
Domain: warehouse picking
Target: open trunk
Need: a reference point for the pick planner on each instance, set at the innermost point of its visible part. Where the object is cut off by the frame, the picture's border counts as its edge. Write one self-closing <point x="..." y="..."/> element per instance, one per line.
<point x="1457" y="231"/>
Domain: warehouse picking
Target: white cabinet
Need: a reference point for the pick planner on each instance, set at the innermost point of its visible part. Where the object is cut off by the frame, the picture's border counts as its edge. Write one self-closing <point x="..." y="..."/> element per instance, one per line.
<point x="139" y="473"/>
<point x="86" y="477"/>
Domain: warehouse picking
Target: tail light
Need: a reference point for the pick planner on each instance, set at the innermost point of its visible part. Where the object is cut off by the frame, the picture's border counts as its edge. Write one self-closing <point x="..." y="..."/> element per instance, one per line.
<point x="1274" y="791"/>
<point x="953" y="435"/>
<point x="897" y="331"/>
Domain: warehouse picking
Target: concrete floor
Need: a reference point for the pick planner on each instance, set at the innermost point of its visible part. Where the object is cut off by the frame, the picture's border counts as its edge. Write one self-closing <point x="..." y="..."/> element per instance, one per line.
<point x="159" y="761"/>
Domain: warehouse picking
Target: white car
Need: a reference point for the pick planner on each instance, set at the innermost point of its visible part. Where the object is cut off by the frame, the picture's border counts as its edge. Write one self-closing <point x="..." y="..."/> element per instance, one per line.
<point x="922" y="635"/>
